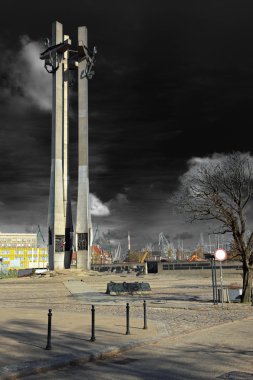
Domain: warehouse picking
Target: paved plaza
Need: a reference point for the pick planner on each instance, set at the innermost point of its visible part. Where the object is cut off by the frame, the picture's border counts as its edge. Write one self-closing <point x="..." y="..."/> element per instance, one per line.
<point x="179" y="307"/>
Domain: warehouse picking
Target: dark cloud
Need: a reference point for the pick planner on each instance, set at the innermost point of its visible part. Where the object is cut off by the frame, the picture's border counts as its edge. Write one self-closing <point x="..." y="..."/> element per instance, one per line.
<point x="183" y="236"/>
<point x="172" y="82"/>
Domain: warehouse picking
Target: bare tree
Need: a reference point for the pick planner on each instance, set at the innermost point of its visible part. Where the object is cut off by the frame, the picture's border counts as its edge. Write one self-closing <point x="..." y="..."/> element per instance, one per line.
<point x="220" y="190"/>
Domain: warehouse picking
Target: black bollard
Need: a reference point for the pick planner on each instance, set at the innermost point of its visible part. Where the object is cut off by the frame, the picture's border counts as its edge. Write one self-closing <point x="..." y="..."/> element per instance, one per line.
<point x="145" y="315"/>
<point x="49" y="347"/>
<point x="93" y="338"/>
<point x="215" y="280"/>
<point x="127" y="319"/>
<point x="213" y="284"/>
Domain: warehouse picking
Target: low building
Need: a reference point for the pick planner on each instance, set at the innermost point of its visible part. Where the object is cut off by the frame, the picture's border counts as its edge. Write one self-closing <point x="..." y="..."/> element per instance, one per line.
<point x="99" y="255"/>
<point x="20" y="251"/>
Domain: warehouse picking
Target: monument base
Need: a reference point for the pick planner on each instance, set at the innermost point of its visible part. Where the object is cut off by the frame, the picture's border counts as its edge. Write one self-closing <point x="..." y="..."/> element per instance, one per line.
<point x="82" y="260"/>
<point x="59" y="260"/>
<point x="115" y="288"/>
<point x="67" y="259"/>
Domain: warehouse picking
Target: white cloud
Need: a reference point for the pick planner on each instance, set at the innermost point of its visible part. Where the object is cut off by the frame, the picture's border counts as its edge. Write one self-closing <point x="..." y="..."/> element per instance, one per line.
<point x="216" y="158"/>
<point x="196" y="162"/>
<point x="35" y="81"/>
<point x="97" y="207"/>
<point x="27" y="83"/>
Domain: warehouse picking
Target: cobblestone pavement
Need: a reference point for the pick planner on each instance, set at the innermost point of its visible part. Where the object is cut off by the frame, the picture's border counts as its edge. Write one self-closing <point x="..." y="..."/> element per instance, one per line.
<point x="178" y="303"/>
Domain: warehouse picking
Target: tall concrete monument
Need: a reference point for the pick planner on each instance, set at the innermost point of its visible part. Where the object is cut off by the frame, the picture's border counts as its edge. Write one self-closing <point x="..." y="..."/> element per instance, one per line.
<point x="60" y="58"/>
<point x="82" y="212"/>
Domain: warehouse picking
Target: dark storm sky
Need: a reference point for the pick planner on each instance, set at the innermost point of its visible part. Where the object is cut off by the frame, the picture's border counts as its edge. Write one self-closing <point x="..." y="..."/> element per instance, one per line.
<point x="174" y="80"/>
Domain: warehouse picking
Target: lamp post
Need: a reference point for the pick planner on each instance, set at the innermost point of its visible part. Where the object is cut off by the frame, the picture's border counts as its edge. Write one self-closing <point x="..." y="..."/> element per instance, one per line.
<point x="221" y="255"/>
<point x="214" y="278"/>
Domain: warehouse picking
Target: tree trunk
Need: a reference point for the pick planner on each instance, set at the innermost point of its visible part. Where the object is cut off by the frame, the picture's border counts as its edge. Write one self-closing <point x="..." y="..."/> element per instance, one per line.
<point x="247" y="283"/>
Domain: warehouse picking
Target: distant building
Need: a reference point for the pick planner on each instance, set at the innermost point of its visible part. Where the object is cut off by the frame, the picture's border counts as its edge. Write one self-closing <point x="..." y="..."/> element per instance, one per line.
<point x="20" y="251"/>
<point x="99" y="255"/>
<point x="15" y="240"/>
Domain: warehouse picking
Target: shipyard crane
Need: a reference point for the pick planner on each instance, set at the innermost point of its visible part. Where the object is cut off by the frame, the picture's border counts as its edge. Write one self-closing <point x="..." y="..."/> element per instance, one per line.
<point x="95" y="236"/>
<point x="163" y="244"/>
<point x="144" y="256"/>
<point x="101" y="241"/>
<point x="166" y="247"/>
<point x="39" y="233"/>
<point x="117" y="253"/>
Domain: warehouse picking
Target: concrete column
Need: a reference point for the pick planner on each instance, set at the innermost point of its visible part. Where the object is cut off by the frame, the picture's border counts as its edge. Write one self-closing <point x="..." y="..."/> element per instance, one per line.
<point x="82" y="215"/>
<point x="56" y="220"/>
<point x="66" y="179"/>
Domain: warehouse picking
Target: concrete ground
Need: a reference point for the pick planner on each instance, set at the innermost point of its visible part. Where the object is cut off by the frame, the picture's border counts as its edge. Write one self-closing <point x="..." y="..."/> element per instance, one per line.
<point x="182" y="321"/>
<point x="219" y="352"/>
